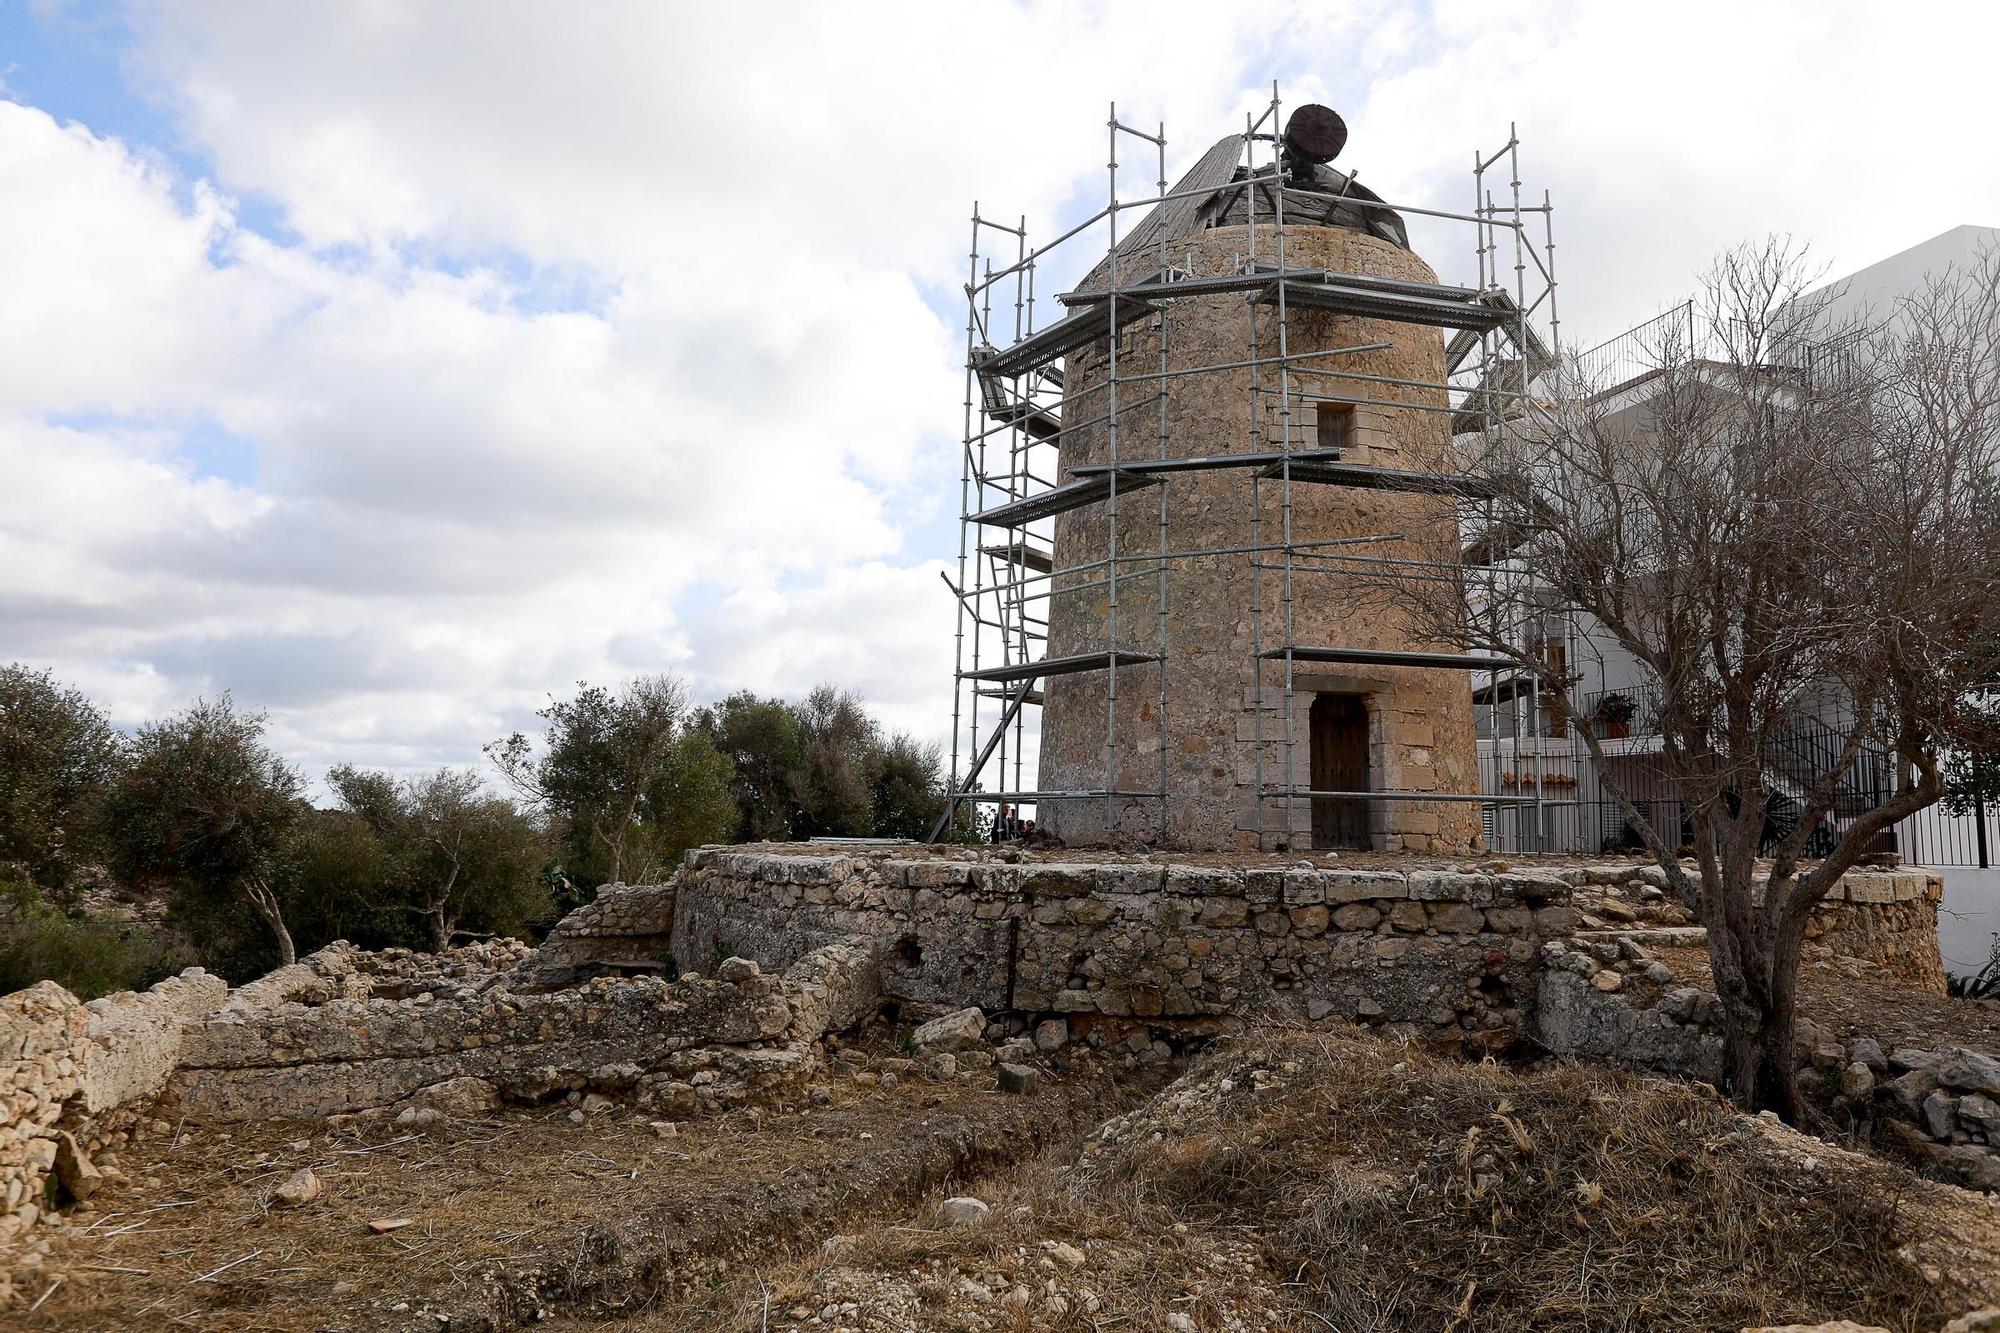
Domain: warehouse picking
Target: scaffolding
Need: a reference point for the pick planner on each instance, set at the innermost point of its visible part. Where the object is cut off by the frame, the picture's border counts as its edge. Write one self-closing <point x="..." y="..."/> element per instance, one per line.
<point x="1503" y="334"/>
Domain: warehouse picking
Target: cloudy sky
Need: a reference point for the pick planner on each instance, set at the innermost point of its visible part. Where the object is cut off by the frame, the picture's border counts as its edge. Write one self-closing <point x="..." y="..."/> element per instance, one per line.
<point x="394" y="364"/>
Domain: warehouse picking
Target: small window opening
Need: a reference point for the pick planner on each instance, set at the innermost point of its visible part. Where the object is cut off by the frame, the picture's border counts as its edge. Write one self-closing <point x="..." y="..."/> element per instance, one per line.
<point x="1336" y="425"/>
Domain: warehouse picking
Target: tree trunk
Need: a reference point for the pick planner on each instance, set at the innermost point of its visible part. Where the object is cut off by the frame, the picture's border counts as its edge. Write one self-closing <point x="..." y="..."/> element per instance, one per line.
<point x="265" y="904"/>
<point x="1758" y="987"/>
<point x="440" y="927"/>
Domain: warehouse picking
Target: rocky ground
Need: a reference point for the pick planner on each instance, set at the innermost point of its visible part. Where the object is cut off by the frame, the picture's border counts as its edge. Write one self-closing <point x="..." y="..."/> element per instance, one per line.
<point x="1287" y="1180"/>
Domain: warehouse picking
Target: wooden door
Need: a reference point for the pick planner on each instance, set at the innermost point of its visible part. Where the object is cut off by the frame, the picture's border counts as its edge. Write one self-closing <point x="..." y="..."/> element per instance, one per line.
<point x="1339" y="738"/>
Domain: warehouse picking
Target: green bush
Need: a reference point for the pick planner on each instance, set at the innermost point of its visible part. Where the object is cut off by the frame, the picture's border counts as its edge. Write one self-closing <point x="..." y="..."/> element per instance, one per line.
<point x="89" y="957"/>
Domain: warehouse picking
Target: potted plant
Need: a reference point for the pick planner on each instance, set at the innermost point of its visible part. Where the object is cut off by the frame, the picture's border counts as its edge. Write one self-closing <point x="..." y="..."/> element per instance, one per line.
<point x="1614" y="715"/>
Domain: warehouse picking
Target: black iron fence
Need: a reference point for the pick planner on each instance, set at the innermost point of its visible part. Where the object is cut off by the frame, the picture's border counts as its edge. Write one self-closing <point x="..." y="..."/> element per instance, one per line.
<point x="1576" y="809"/>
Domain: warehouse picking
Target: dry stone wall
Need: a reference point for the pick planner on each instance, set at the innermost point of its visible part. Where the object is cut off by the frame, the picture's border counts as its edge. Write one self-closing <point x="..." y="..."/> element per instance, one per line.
<point x="742" y="1034"/>
<point x="625" y="927"/>
<point x="1453" y="946"/>
<point x="1447" y="949"/>
<point x="1604" y="998"/>
<point x="1887" y="917"/>
<point x="72" y="1075"/>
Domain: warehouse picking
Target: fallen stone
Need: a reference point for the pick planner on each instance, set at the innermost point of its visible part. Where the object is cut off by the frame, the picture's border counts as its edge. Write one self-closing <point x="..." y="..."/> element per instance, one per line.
<point x="1968" y="1071"/>
<point x="1969" y="1164"/>
<point x="1912" y="1057"/>
<point x="1869" y="1052"/>
<point x="940" y="1067"/>
<point x="1857" y="1080"/>
<point x="460" y="1096"/>
<point x="1981" y="1112"/>
<point x="1975" y="1321"/>
<point x="1606" y="980"/>
<point x="416" y="1117"/>
<point x="1019" y="1079"/>
<point x="1063" y="1253"/>
<point x="382" y="1226"/>
<point x="1909" y="1090"/>
<point x="664" y="1129"/>
<point x="954" y="1032"/>
<point x="298" y="1189"/>
<point x="1052" y="1034"/>
<point x="963" y="1212"/>
<point x="737" y="970"/>
<point x="1940" y="1115"/>
<point x="74" y="1169"/>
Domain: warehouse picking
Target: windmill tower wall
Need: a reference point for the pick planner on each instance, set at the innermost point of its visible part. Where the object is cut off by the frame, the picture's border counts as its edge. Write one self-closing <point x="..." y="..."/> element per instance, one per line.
<point x="1216" y="734"/>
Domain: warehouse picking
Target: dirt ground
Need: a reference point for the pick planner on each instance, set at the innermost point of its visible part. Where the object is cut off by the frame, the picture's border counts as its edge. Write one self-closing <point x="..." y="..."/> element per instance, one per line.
<point x="1299" y="1179"/>
<point x="509" y="1213"/>
<point x="1849" y="999"/>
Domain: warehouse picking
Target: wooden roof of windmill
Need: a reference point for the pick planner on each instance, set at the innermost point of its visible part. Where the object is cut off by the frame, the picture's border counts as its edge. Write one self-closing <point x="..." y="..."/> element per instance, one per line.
<point x="1220" y="190"/>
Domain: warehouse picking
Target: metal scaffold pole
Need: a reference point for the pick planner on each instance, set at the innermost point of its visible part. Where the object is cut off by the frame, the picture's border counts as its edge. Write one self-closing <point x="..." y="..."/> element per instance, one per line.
<point x="1070" y="393"/>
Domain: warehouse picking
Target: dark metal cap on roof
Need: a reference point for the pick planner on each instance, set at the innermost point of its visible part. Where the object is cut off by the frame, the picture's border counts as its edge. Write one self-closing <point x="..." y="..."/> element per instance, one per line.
<point x="1315" y="134"/>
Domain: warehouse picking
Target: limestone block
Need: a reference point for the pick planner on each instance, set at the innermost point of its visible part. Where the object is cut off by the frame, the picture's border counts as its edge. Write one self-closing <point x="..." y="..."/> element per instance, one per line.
<point x="1451" y="886"/>
<point x="1862" y="888"/>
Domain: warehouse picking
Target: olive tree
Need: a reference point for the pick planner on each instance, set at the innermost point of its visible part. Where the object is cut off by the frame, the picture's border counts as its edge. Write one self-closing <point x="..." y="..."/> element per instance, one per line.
<point x="57" y="757"/>
<point x="628" y="782"/>
<point x="1788" y="524"/>
<point x="206" y="808"/>
<point x="451" y="851"/>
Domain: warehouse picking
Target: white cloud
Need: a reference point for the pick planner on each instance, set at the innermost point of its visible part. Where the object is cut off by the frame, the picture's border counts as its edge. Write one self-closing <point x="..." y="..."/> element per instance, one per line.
<point x="601" y="339"/>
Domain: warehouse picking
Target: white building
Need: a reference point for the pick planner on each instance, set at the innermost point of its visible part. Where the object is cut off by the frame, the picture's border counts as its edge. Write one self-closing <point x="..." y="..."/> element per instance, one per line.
<point x="1527" y="751"/>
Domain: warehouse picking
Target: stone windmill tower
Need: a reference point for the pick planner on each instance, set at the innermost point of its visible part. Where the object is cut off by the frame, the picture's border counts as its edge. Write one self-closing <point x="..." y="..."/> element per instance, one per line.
<point x="1251" y="400"/>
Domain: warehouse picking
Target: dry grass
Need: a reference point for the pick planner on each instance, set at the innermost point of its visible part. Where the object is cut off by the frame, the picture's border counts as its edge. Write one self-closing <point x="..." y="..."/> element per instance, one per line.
<point x="1438" y="1195"/>
<point x="1295" y="1180"/>
<point x="1354" y="1186"/>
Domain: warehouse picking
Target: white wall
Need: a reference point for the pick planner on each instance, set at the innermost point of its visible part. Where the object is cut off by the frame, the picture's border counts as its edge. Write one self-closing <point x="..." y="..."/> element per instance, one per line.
<point x="1968" y="918"/>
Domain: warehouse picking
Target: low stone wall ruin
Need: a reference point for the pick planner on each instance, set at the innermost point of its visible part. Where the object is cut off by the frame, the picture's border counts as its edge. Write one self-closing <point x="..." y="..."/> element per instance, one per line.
<point x="801" y="940"/>
<point x="1450" y="950"/>
<point x="1605" y="999"/>
<point x="73" y="1076"/>
<point x="1442" y="946"/>
<point x="625" y="928"/>
<point x="741" y="1034"/>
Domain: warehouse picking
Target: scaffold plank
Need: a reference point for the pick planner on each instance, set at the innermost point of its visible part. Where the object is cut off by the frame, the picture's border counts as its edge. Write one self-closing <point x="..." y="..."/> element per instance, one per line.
<point x="1033" y="697"/>
<point x="1065" y="335"/>
<point x="1049" y="797"/>
<point x="1402" y="301"/>
<point x="1059" y="666"/>
<point x="1389" y="657"/>
<point x="1060" y="499"/>
<point x="1207" y="462"/>
<point x="1303" y="794"/>
<point x="1360" y="475"/>
<point x="1026" y="556"/>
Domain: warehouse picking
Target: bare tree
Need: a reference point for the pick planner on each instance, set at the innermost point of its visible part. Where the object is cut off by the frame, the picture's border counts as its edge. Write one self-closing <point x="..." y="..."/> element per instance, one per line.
<point x="1794" y="535"/>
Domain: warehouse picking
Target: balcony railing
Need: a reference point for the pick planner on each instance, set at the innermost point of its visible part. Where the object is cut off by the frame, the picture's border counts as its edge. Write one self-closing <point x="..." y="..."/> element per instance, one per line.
<point x="1639" y="704"/>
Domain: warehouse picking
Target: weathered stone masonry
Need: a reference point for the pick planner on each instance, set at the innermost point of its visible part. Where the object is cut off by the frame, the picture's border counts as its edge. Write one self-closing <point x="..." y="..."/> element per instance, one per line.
<point x="1440" y="946"/>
